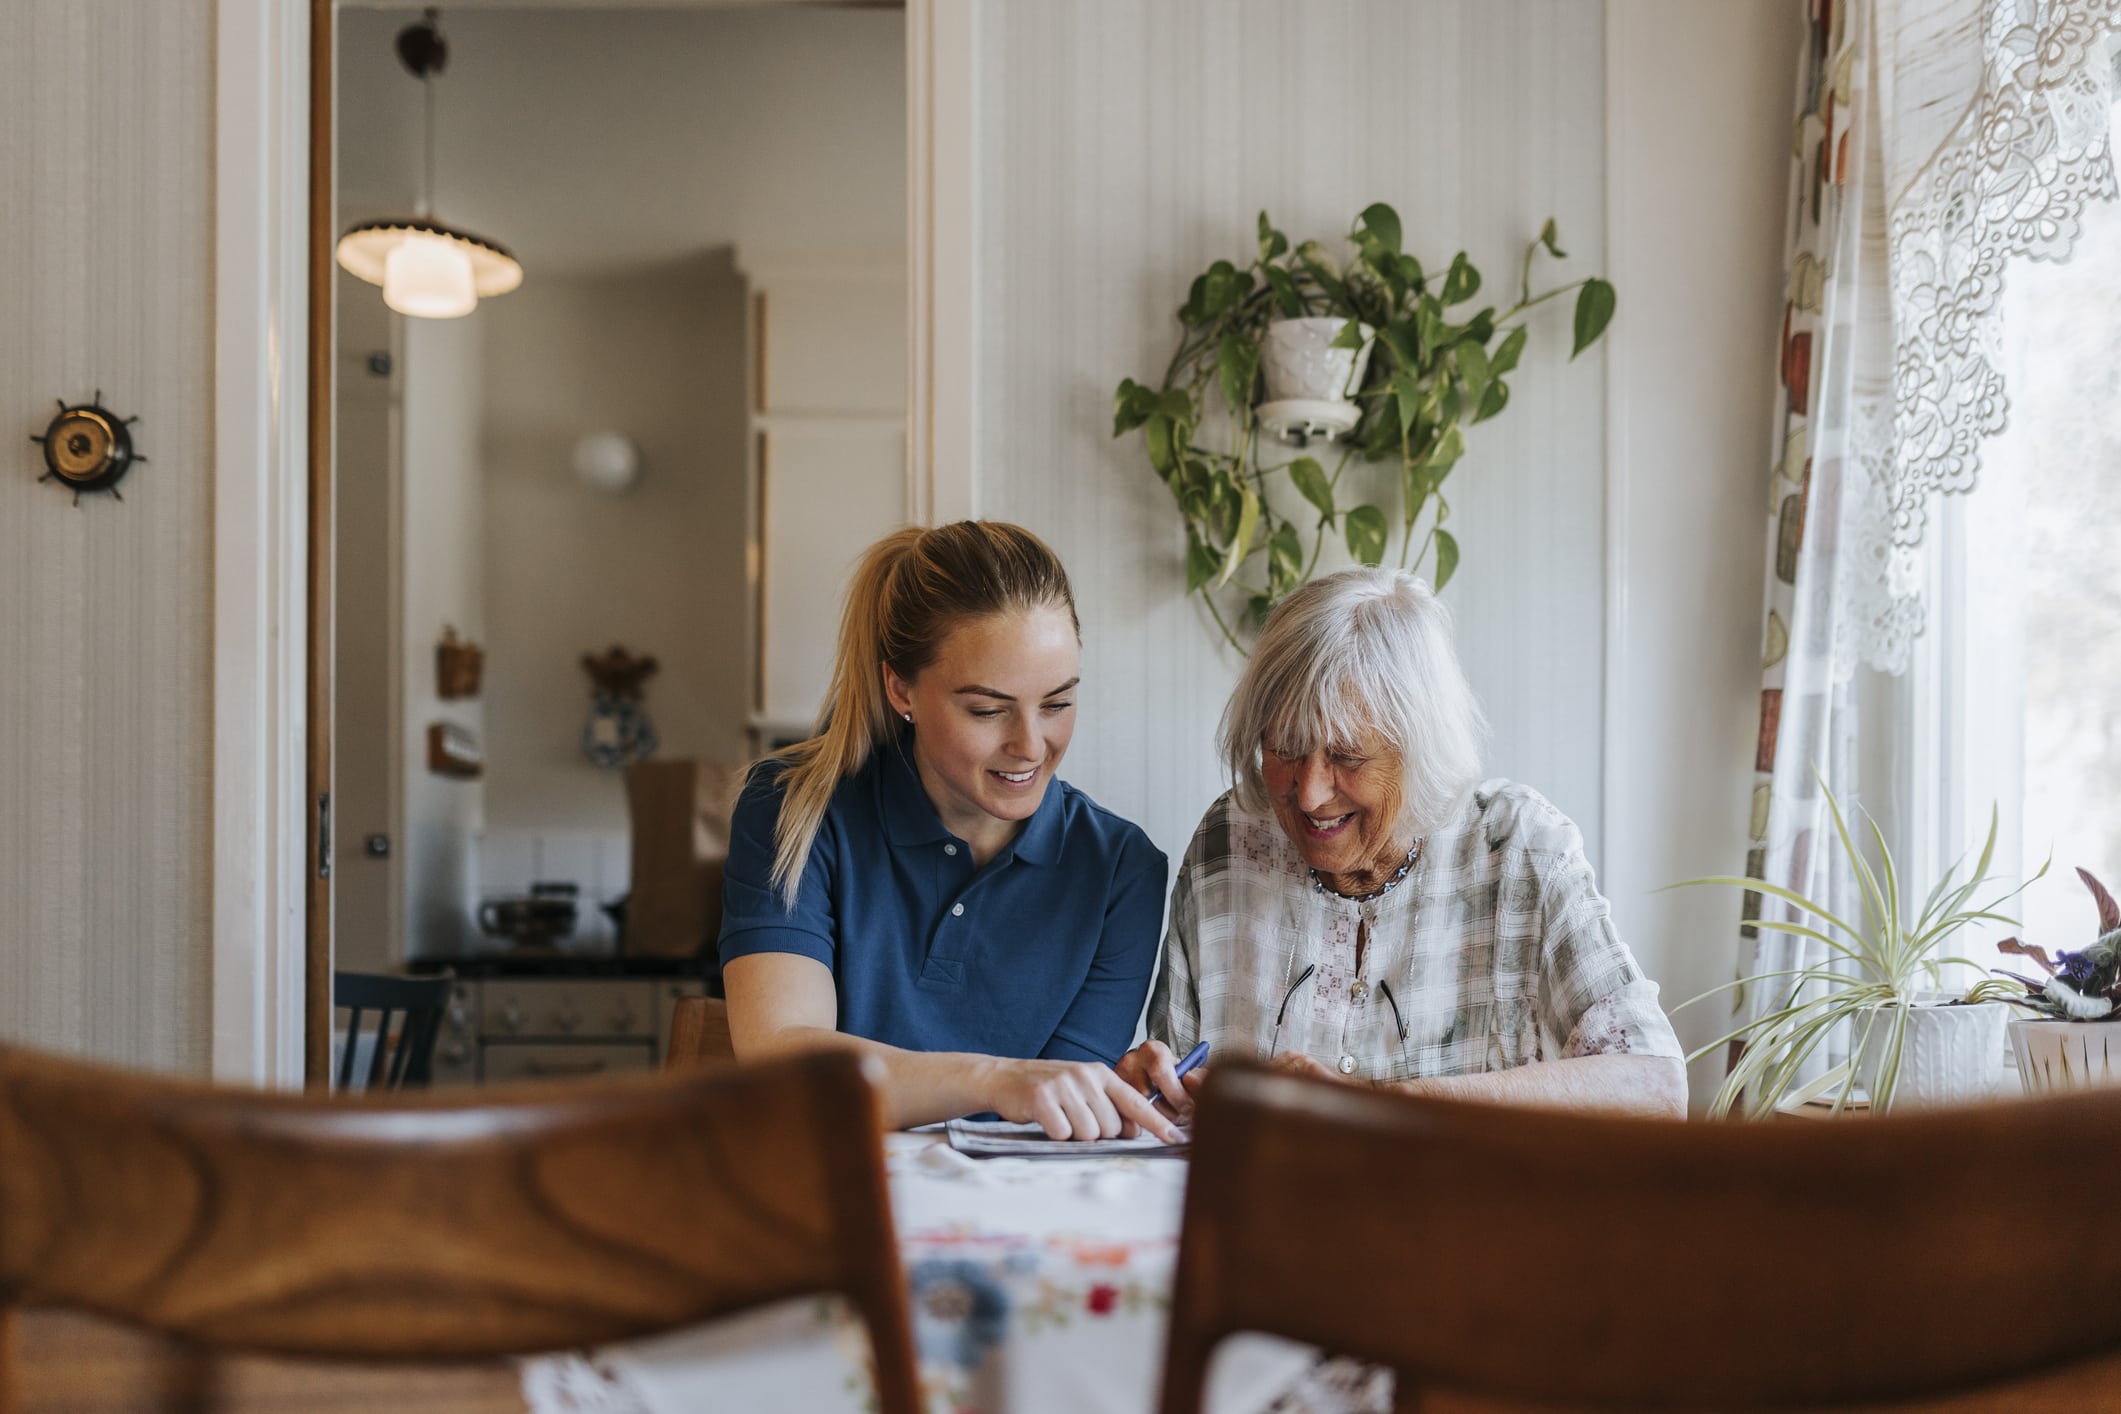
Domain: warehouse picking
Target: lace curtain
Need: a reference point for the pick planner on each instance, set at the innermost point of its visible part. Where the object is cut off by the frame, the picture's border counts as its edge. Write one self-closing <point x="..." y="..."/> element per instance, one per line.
<point x="1992" y="121"/>
<point x="1935" y="142"/>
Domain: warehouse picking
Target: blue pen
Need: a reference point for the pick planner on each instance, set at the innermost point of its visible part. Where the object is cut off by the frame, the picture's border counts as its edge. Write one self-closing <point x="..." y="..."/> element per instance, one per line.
<point x="1193" y="1058"/>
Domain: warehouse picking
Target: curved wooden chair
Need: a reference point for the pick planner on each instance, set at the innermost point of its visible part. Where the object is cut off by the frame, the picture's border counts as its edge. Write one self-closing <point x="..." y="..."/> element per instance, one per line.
<point x="444" y="1230"/>
<point x="699" y="1032"/>
<point x="1505" y="1259"/>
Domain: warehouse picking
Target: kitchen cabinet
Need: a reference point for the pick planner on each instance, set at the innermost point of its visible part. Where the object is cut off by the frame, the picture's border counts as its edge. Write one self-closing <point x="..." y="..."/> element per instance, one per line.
<point x="828" y="452"/>
<point x="502" y="1028"/>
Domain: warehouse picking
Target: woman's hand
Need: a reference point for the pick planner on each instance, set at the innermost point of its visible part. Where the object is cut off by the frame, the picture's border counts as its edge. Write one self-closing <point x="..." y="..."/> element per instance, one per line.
<point x="1152" y="1064"/>
<point x="1297" y="1063"/>
<point x="1074" y="1100"/>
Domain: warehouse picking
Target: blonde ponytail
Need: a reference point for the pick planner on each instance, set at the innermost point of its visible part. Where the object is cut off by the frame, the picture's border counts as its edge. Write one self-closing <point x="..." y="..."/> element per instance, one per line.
<point x="909" y="591"/>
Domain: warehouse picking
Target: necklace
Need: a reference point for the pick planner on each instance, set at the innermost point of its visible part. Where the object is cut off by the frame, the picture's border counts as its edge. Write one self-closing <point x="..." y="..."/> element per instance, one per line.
<point x="1389" y="884"/>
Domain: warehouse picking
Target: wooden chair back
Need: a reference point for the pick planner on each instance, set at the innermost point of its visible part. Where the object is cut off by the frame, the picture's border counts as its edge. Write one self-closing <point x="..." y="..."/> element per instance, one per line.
<point x="400" y="1059"/>
<point x="699" y="1031"/>
<point x="424" y="1229"/>
<point x="1502" y="1258"/>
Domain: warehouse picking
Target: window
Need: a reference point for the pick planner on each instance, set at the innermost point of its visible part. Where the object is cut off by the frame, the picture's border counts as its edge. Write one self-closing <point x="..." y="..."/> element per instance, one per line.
<point x="2027" y="617"/>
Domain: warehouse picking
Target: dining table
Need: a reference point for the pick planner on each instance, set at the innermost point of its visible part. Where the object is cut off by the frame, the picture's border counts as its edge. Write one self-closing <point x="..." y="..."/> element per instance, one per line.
<point x="1036" y="1286"/>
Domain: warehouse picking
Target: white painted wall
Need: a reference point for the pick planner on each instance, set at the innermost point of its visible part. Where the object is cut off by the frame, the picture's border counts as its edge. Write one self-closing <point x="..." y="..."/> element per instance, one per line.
<point x="601" y="139"/>
<point x="368" y="720"/>
<point x="106" y="629"/>
<point x="1701" y="99"/>
<point x="1123" y="146"/>
<point x="1608" y="604"/>
<point x="658" y="355"/>
<point x="441" y="532"/>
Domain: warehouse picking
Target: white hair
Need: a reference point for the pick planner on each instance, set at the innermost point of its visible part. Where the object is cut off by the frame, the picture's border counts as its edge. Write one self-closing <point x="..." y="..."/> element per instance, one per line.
<point x="1355" y="656"/>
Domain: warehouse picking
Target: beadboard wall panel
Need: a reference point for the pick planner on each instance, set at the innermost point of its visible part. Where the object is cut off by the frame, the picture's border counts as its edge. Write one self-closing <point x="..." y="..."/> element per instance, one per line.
<point x="106" y="281"/>
<point x="1125" y="144"/>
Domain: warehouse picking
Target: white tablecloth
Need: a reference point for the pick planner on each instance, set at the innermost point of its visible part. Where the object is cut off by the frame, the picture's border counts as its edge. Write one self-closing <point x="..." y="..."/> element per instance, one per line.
<point x="1037" y="1285"/>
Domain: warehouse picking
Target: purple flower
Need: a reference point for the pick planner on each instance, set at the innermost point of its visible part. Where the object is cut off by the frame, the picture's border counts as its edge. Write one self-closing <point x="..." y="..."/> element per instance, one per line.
<point x="2075" y="968"/>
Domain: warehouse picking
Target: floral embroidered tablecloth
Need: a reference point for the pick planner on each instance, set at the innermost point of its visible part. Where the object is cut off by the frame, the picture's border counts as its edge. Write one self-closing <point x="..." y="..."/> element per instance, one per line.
<point x="1036" y="1286"/>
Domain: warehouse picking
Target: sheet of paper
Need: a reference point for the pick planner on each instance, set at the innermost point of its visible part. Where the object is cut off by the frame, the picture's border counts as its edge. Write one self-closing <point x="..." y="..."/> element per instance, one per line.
<point x="998" y="1139"/>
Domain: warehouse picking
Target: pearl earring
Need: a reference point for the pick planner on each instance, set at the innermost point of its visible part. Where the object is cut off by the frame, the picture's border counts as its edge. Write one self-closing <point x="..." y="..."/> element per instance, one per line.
<point x="907" y="715"/>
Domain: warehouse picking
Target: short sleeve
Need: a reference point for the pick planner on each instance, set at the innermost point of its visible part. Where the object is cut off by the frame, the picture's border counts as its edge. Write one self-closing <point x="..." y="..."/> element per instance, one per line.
<point x="1099" y="1023"/>
<point x="755" y="919"/>
<point x="1593" y="993"/>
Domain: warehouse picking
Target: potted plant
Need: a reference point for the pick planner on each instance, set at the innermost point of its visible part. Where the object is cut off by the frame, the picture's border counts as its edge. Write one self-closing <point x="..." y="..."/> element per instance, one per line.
<point x="1911" y="1042"/>
<point x="2066" y="1043"/>
<point x="1374" y="353"/>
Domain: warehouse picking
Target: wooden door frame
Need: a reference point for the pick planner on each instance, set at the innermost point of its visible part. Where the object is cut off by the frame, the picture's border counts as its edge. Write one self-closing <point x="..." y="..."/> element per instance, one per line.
<point x="322" y="640"/>
<point x="266" y="431"/>
<point x="942" y="257"/>
<point x="274" y="572"/>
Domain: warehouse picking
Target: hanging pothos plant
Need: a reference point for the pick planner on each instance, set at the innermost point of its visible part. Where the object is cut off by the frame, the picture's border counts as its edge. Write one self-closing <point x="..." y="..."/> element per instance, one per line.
<point x="1427" y="377"/>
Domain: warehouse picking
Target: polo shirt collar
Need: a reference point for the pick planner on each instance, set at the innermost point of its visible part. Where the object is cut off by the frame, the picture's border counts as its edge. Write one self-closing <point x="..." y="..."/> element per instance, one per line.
<point x="1039" y="841"/>
<point x="909" y="816"/>
<point x="910" y="819"/>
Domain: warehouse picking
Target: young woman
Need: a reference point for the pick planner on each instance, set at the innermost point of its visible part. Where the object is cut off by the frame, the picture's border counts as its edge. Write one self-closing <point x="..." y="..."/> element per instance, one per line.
<point x="914" y="883"/>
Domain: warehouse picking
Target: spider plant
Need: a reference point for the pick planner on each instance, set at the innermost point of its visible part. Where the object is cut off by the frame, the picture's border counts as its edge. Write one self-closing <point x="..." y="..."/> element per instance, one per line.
<point x="1870" y="979"/>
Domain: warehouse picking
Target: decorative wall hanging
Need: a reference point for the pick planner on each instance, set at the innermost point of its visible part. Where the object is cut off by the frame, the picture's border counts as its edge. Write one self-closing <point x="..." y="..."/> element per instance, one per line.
<point x="618" y="732"/>
<point x="458" y="663"/>
<point x="1312" y="327"/>
<point x="88" y="448"/>
<point x="453" y="751"/>
<point x="427" y="268"/>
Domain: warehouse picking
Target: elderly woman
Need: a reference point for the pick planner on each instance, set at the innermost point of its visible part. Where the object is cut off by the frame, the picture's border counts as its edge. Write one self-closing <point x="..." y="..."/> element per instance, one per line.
<point x="1357" y="908"/>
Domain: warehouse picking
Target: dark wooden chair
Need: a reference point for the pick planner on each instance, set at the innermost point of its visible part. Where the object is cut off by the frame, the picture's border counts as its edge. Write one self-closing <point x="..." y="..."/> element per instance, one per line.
<point x="699" y="1032"/>
<point x="400" y="1058"/>
<point x="1506" y="1259"/>
<point x="422" y="1229"/>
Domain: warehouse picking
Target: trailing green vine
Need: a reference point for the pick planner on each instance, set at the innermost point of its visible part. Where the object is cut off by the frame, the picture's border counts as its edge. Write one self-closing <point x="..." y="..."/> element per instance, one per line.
<point x="1427" y="379"/>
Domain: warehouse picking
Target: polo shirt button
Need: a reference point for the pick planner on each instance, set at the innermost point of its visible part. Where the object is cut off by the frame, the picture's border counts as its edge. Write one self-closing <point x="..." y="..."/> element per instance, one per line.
<point x="957" y="910"/>
<point x="1347" y="1065"/>
<point x="950" y="849"/>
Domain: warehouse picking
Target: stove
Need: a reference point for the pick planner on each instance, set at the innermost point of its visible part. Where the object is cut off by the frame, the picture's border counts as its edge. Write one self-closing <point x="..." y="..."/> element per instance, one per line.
<point x="543" y="1015"/>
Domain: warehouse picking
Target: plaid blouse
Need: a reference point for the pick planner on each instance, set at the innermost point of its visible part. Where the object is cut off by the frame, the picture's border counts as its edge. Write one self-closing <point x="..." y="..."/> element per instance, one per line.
<point x="1495" y="950"/>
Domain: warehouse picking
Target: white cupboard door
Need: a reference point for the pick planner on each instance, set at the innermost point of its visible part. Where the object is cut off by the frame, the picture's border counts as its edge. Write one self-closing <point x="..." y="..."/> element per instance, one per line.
<point x="826" y="493"/>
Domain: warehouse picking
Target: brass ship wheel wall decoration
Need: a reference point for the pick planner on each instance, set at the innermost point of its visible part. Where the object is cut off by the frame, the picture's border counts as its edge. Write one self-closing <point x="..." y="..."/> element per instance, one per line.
<point x="88" y="448"/>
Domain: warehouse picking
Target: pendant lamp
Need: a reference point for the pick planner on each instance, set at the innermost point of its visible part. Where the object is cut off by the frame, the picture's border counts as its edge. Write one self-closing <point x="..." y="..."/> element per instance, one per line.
<point x="427" y="268"/>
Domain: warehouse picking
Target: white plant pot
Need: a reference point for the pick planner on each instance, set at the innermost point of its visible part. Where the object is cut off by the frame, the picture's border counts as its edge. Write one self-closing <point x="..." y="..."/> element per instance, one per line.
<point x="2066" y="1055"/>
<point x="1309" y="382"/>
<point x="1951" y="1055"/>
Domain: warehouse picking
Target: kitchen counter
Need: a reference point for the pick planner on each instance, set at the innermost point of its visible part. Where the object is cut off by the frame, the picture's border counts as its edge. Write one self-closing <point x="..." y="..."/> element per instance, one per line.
<point x="549" y="1015"/>
<point x="556" y="964"/>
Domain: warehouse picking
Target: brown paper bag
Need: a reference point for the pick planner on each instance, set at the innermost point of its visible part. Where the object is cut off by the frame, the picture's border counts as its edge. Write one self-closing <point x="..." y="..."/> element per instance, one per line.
<point x="680" y="813"/>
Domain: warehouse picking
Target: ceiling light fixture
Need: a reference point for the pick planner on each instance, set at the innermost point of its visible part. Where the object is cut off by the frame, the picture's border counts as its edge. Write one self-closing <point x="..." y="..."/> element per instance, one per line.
<point x="427" y="269"/>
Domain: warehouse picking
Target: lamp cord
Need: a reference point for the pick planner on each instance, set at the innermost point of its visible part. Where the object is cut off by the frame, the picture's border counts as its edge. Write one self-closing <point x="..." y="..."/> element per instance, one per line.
<point x="427" y="192"/>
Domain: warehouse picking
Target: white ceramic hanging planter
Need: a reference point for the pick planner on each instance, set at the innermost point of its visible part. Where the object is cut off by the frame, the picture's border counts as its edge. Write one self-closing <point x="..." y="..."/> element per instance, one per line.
<point x="1311" y="384"/>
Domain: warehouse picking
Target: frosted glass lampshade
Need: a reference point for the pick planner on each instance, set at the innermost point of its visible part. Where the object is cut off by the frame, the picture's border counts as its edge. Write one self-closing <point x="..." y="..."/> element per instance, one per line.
<point x="428" y="279"/>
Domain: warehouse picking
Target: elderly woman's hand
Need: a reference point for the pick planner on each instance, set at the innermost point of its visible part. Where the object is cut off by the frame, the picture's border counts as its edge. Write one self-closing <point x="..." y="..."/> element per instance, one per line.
<point x="1152" y="1064"/>
<point x="1296" y="1063"/>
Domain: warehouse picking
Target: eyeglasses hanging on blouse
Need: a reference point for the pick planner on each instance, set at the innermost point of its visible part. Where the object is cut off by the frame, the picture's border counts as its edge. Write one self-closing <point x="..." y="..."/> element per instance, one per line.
<point x="1347" y="1063"/>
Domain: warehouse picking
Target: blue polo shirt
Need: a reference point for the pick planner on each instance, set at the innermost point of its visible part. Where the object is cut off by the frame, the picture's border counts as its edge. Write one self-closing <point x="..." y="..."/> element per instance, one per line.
<point x="1046" y="952"/>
